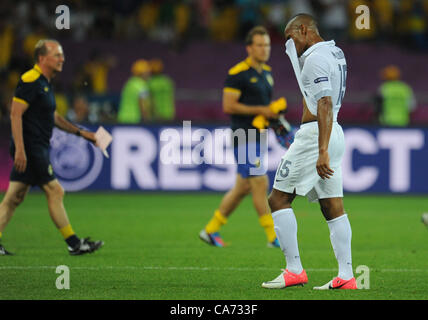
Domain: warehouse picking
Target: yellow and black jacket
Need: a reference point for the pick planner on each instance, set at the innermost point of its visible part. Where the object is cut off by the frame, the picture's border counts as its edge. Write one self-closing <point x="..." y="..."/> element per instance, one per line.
<point x="255" y="89"/>
<point x="34" y="90"/>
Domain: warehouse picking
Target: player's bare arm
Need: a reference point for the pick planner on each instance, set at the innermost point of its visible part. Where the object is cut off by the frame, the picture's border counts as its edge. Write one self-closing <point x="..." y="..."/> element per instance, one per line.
<point x="231" y="105"/>
<point x="325" y="123"/>
<point x="67" y="126"/>
<point x="17" y="110"/>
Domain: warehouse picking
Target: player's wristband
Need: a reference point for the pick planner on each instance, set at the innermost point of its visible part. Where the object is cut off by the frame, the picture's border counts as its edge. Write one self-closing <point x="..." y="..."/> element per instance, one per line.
<point x="78" y="133"/>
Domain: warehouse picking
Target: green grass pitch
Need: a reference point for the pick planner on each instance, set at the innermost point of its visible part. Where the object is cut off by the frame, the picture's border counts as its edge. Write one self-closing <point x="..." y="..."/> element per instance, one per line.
<point x="152" y="250"/>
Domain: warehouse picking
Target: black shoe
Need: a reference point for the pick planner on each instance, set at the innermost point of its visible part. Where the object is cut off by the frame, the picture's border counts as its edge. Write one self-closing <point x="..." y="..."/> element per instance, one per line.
<point x="85" y="246"/>
<point x="4" y="252"/>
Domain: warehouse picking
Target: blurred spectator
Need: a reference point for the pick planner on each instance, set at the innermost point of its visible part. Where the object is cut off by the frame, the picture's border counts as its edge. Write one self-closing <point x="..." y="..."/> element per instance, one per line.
<point x="80" y="111"/>
<point x="173" y="22"/>
<point x="6" y="43"/>
<point x="38" y="32"/>
<point x="61" y="100"/>
<point x="163" y="28"/>
<point x="275" y="15"/>
<point x="333" y="19"/>
<point x="106" y="113"/>
<point x="81" y="80"/>
<point x="170" y="21"/>
<point x="96" y="70"/>
<point x="182" y="14"/>
<point x="413" y="23"/>
<point x="395" y="99"/>
<point x="383" y="12"/>
<point x="148" y="15"/>
<point x="409" y="22"/>
<point x="82" y="20"/>
<point x="161" y="88"/>
<point x="134" y="104"/>
<point x="224" y="24"/>
<point x="249" y="15"/>
<point x="204" y="9"/>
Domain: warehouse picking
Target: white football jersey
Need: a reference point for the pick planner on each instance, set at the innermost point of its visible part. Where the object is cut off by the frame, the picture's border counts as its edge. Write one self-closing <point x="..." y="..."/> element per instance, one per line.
<point x="323" y="74"/>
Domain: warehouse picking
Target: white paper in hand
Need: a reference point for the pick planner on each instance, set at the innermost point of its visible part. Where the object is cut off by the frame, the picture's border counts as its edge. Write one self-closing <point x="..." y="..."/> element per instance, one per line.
<point x="103" y="140"/>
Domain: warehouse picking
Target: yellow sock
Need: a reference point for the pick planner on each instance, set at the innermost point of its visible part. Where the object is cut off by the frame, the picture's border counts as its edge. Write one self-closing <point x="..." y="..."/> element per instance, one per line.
<point x="67" y="231"/>
<point x="1" y="235"/>
<point x="266" y="222"/>
<point x="216" y="222"/>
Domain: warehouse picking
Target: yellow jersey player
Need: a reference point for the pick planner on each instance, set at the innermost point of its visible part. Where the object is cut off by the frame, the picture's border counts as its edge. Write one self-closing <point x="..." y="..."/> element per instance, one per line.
<point x="247" y="93"/>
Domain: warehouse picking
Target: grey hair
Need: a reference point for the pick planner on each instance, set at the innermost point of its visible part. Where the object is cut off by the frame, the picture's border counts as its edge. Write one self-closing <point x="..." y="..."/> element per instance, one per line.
<point x="41" y="49"/>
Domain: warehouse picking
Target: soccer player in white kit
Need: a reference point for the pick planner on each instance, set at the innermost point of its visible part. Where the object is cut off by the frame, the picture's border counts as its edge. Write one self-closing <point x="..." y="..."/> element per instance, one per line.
<point x="312" y="165"/>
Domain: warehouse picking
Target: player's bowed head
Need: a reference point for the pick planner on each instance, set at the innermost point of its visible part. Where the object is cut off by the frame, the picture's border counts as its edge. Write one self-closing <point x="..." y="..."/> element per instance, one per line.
<point x="303" y="29"/>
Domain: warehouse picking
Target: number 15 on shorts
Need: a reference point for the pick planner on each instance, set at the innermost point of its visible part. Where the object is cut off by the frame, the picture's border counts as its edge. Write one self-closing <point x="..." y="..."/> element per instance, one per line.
<point x="283" y="169"/>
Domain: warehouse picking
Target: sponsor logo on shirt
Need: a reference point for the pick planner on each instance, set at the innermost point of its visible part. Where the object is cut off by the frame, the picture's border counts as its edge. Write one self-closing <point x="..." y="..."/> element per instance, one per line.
<point x="321" y="79"/>
<point x="269" y="79"/>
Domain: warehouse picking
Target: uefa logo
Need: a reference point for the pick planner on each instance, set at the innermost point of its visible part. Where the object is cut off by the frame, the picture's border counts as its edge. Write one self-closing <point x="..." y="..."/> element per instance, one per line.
<point x="76" y="162"/>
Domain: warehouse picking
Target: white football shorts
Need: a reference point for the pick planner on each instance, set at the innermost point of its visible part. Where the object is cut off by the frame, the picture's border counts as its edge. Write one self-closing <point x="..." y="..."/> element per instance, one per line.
<point x="297" y="170"/>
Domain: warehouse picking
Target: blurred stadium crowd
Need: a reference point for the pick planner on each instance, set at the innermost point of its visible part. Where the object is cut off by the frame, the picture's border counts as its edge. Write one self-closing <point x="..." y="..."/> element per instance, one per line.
<point x="178" y="24"/>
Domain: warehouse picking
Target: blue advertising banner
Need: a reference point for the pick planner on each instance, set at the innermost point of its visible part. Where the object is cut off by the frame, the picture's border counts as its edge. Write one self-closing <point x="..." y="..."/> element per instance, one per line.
<point x="191" y="158"/>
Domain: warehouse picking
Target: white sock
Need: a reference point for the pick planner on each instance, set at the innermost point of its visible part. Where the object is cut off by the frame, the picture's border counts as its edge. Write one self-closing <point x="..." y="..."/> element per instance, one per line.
<point x="285" y="225"/>
<point x="340" y="237"/>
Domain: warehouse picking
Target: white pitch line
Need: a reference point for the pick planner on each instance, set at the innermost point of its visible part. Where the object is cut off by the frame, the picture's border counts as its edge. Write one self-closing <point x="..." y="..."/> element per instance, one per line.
<point x="192" y="268"/>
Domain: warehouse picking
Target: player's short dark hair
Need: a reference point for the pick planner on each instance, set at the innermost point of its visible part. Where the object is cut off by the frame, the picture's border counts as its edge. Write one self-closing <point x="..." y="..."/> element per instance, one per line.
<point x="41" y="49"/>
<point x="308" y="17"/>
<point x="255" y="30"/>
